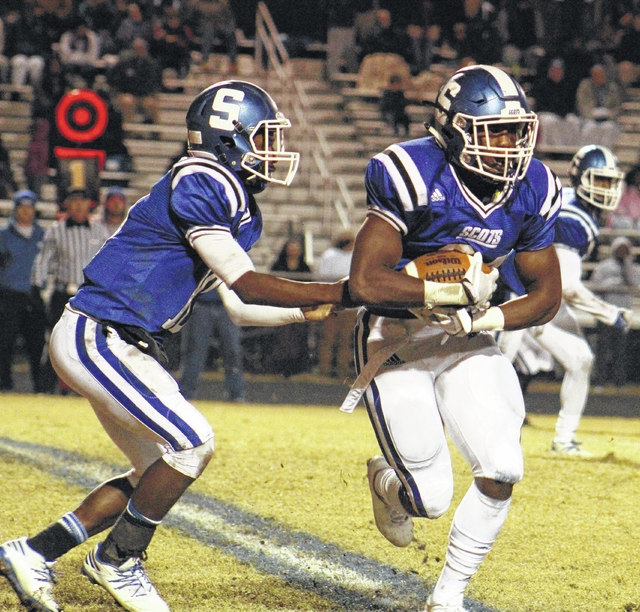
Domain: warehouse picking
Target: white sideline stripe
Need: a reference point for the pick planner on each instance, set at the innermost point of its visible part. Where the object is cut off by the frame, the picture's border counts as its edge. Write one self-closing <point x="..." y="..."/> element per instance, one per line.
<point x="289" y="555"/>
<point x="298" y="559"/>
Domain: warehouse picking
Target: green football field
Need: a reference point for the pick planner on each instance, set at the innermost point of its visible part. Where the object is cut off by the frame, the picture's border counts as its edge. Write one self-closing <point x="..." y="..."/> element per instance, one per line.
<point x="281" y="518"/>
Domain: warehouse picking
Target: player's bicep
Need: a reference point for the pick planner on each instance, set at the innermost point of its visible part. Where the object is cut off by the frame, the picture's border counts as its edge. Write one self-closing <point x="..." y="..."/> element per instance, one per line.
<point x="539" y="270"/>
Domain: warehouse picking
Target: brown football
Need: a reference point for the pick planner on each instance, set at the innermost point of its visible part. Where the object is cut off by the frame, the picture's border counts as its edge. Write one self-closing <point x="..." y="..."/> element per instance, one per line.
<point x="441" y="266"/>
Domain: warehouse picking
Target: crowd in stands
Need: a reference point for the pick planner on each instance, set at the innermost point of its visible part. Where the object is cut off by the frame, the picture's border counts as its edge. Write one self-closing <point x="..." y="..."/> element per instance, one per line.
<point x="576" y="60"/>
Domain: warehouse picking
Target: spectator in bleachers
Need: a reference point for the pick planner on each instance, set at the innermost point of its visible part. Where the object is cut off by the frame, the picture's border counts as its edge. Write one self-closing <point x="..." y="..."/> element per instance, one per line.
<point x="617" y="276"/>
<point x="21" y="309"/>
<point x="36" y="163"/>
<point x="289" y="344"/>
<point x="483" y="34"/>
<point x="341" y="37"/>
<point x="521" y="28"/>
<point x="554" y="98"/>
<point x="425" y="43"/>
<point x="5" y="66"/>
<point x="27" y="44"/>
<point x="172" y="42"/>
<point x="216" y="20"/>
<point x="136" y="81"/>
<point x="79" y="53"/>
<point x="8" y="184"/>
<point x="102" y="17"/>
<point x="599" y="102"/>
<point x="629" y="46"/>
<point x="385" y="37"/>
<point x="393" y="106"/>
<point x="627" y="215"/>
<point x="133" y="26"/>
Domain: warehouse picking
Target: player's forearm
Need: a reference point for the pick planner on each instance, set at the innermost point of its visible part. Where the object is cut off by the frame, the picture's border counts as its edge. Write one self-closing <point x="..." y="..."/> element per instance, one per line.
<point x="386" y="288"/>
<point x="266" y="289"/>
<point x="530" y="310"/>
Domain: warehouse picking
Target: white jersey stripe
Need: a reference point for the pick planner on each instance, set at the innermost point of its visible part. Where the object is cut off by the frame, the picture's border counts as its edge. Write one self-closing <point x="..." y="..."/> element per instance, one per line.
<point x="389" y="218"/>
<point x="552" y="202"/>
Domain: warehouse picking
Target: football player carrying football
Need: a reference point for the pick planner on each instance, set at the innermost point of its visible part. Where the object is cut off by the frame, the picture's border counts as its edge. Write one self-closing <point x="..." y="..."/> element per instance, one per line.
<point x="423" y="365"/>
<point x="189" y="235"/>
<point x="596" y="185"/>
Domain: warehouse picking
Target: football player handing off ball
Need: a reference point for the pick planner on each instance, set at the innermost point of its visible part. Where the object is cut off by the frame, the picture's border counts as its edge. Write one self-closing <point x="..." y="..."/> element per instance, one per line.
<point x="470" y="186"/>
<point x="188" y="236"/>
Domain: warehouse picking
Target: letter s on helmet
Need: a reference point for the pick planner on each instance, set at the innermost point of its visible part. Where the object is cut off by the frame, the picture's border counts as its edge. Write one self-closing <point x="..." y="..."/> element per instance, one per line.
<point x="239" y="125"/>
<point x="469" y="105"/>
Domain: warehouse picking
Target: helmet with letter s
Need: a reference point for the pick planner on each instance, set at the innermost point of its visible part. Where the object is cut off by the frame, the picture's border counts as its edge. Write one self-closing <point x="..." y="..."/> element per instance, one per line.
<point x="471" y="108"/>
<point x="596" y="176"/>
<point x="238" y="124"/>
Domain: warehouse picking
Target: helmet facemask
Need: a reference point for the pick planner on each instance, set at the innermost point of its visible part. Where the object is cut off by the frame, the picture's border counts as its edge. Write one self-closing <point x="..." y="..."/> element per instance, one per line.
<point x="268" y="149"/>
<point x="601" y="187"/>
<point x="504" y="164"/>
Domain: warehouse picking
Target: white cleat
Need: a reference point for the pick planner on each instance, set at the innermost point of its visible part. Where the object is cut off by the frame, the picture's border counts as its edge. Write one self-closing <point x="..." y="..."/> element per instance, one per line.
<point x="29" y="574"/>
<point x="128" y="584"/>
<point x="450" y="607"/>
<point x="391" y="518"/>
<point x="570" y="449"/>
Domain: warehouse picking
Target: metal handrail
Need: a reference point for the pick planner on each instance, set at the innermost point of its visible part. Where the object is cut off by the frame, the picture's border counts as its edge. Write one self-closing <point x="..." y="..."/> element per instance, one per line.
<point x="296" y="100"/>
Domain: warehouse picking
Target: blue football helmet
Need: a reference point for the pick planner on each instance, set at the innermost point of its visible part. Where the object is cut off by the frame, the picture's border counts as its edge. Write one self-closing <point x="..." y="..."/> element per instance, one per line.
<point x="474" y="105"/>
<point x="596" y="176"/>
<point x="239" y="125"/>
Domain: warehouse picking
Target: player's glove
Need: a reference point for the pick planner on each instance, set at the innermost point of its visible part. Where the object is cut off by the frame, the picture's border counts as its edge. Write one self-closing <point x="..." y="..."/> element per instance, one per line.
<point x="319" y="313"/>
<point x="475" y="289"/>
<point x="479" y="285"/>
<point x="623" y="320"/>
<point x="461" y="322"/>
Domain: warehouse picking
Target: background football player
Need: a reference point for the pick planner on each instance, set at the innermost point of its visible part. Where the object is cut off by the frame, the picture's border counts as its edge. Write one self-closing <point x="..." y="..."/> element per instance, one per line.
<point x="596" y="181"/>
<point x="188" y="236"/>
<point x="472" y="182"/>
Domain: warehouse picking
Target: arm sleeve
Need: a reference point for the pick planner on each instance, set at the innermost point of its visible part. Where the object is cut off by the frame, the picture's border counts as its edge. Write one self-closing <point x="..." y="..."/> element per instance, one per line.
<point x="254" y="314"/>
<point x="577" y="295"/>
<point x="223" y="255"/>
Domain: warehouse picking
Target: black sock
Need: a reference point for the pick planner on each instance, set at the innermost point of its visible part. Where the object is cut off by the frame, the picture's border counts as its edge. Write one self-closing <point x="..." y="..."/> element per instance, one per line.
<point x="53" y="542"/>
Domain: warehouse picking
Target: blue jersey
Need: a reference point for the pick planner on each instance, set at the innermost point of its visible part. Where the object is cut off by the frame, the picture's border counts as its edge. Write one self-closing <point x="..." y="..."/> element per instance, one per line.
<point x="575" y="230"/>
<point x="148" y="273"/>
<point x="414" y="188"/>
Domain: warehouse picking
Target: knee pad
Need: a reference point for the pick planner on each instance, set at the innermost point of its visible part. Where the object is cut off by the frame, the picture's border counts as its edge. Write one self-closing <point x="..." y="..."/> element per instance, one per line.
<point x="190" y="461"/>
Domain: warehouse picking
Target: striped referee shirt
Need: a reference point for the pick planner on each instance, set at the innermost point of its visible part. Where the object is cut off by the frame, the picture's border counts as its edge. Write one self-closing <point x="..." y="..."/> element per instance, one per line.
<point x="66" y="249"/>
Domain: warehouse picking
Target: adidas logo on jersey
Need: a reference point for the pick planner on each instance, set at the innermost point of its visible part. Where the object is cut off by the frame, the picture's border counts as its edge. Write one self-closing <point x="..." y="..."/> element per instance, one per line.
<point x="394" y="360"/>
<point x="436" y="196"/>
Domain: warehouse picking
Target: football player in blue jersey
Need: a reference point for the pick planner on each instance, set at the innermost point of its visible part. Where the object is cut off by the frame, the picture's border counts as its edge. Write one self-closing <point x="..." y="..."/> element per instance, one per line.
<point x="596" y="185"/>
<point x="189" y="235"/>
<point x="425" y="364"/>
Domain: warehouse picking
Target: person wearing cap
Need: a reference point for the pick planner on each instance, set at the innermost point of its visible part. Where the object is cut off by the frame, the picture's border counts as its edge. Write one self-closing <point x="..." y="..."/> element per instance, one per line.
<point x="554" y="99"/>
<point x="114" y="209"/>
<point x="21" y="309"/>
<point x="67" y="247"/>
<point x="617" y="279"/>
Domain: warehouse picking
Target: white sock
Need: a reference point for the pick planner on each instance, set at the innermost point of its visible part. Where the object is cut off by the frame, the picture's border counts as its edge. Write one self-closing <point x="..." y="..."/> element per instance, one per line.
<point x="476" y="525"/>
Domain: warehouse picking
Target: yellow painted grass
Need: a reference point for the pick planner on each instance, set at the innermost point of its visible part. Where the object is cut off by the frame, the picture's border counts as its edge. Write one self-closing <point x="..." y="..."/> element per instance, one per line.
<point x="570" y="545"/>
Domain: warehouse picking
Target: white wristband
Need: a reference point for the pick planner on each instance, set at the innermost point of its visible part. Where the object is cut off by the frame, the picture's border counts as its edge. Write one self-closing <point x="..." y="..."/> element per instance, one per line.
<point x="444" y="294"/>
<point x="488" y="320"/>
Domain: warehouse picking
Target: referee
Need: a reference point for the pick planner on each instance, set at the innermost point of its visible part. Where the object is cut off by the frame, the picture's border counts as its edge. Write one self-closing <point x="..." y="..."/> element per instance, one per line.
<point x="68" y="246"/>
